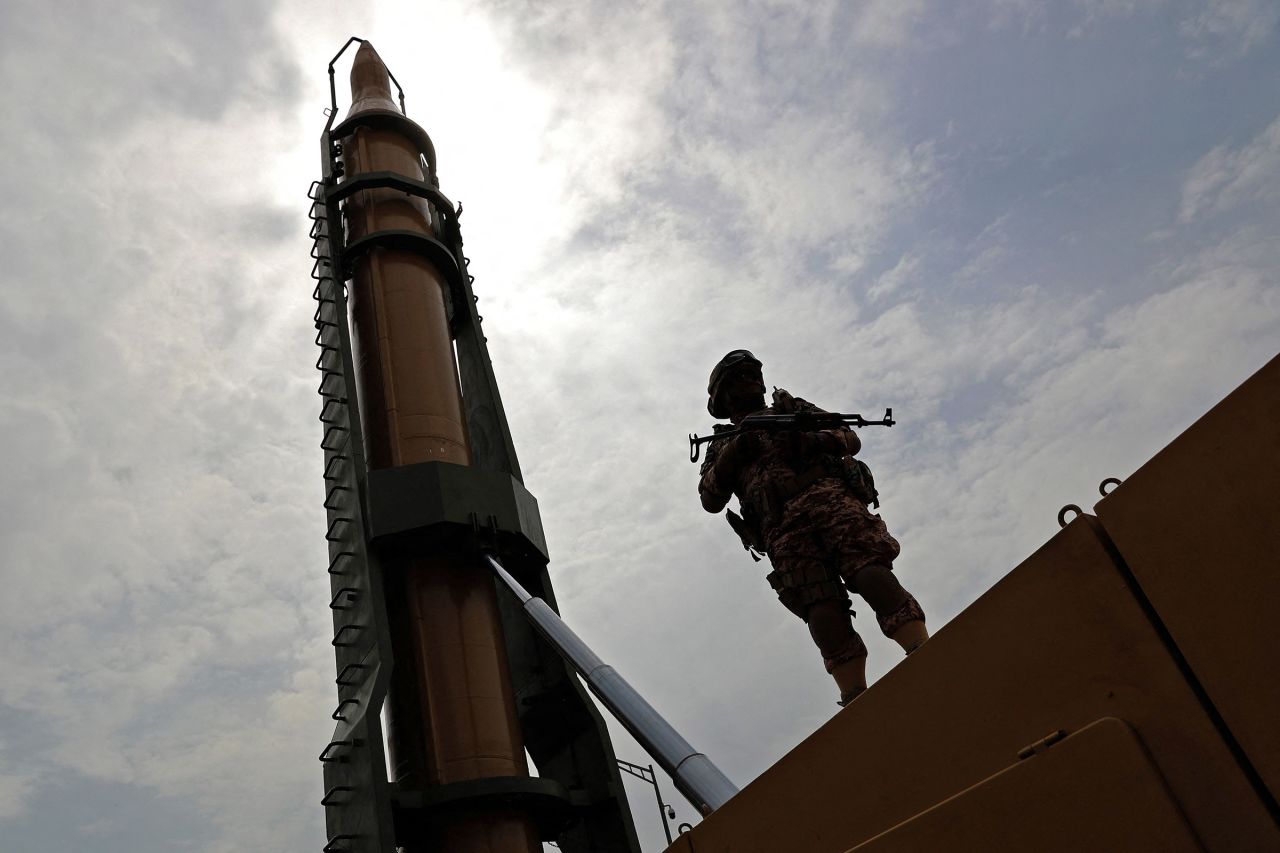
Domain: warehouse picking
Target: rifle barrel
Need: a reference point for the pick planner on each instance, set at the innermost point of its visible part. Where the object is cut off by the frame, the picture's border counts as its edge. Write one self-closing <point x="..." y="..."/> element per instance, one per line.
<point x="798" y="420"/>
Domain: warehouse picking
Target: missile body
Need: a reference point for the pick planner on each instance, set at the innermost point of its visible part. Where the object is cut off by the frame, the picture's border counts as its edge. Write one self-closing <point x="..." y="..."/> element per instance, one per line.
<point x="451" y="714"/>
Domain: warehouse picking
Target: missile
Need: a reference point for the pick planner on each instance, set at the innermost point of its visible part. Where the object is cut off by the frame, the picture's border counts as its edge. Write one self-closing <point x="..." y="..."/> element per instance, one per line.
<point x="451" y="712"/>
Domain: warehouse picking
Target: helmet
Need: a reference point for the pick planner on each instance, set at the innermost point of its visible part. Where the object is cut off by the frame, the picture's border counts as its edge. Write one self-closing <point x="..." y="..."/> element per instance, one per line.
<point x="739" y="356"/>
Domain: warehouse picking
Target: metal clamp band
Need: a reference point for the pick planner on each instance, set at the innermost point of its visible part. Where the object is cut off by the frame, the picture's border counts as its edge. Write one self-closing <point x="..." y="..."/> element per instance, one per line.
<point x="390" y="120"/>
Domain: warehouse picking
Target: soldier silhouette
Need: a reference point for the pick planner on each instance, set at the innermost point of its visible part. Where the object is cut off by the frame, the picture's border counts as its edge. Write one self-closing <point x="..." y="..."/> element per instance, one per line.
<point x="804" y="503"/>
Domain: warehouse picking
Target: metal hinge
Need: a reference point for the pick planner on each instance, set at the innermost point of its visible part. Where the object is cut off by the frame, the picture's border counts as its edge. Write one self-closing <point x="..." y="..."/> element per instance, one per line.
<point x="1041" y="745"/>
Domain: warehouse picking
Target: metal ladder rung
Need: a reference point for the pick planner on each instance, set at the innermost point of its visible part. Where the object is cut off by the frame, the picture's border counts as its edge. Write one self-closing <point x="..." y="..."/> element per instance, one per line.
<point x="326" y="755"/>
<point x="327" y="443"/>
<point x="331" y="393"/>
<point x="333" y="564"/>
<point x="316" y="272"/>
<point x="338" y="403"/>
<point x="337" y="712"/>
<point x="327" y="352"/>
<point x="319" y="316"/>
<point x="329" y="534"/>
<point x="329" y="796"/>
<point x="320" y="334"/>
<point x="352" y="595"/>
<point x="353" y="628"/>
<point x="326" y="375"/>
<point x="330" y="499"/>
<point x="334" y="461"/>
<point x="342" y="680"/>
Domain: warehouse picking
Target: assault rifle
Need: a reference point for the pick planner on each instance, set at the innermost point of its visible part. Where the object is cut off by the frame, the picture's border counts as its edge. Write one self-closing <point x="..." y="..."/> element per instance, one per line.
<point x="794" y="422"/>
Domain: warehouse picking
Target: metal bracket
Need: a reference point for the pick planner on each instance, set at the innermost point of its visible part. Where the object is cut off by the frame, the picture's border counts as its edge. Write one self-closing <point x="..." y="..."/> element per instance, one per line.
<point x="548" y="802"/>
<point x="419" y="244"/>
<point x="398" y="122"/>
<point x="435" y="249"/>
<point x="435" y="503"/>
<point x="394" y="181"/>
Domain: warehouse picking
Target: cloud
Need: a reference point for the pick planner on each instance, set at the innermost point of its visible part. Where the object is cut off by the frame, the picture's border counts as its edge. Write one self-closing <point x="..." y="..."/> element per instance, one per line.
<point x="1224" y="29"/>
<point x="818" y="183"/>
<point x="1227" y="177"/>
<point x="885" y="23"/>
<point x="1213" y="31"/>
<point x="1097" y="12"/>
<point x="1025" y="15"/>
<point x="15" y="793"/>
<point x="157" y="328"/>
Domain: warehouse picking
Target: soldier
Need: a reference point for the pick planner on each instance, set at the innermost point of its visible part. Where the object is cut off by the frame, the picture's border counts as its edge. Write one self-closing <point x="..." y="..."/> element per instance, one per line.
<point x="805" y="505"/>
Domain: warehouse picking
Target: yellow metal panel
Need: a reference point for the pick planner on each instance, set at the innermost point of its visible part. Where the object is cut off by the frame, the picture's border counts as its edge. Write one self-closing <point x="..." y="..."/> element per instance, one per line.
<point x="1199" y="526"/>
<point x="1057" y="644"/>
<point x="1096" y="790"/>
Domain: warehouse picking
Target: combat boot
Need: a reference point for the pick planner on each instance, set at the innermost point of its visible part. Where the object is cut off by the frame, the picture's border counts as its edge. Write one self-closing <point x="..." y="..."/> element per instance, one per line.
<point x="851" y="678"/>
<point x="911" y="635"/>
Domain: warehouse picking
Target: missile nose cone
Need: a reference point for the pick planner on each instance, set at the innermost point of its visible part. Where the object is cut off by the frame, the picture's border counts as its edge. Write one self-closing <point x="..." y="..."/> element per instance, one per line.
<point x="370" y="82"/>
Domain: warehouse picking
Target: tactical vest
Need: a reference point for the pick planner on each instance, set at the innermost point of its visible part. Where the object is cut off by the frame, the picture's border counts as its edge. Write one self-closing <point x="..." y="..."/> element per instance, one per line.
<point x="762" y="509"/>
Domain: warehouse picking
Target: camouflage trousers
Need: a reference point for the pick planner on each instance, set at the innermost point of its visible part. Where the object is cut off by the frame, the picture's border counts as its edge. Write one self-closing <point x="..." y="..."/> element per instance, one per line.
<point x="827" y="542"/>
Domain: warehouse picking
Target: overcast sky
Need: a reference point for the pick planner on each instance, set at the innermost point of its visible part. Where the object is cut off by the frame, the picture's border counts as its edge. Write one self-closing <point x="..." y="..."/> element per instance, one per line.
<point x="1043" y="232"/>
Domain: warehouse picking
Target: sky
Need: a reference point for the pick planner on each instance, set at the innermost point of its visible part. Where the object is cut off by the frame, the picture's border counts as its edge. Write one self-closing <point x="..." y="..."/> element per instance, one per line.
<point x="1043" y="233"/>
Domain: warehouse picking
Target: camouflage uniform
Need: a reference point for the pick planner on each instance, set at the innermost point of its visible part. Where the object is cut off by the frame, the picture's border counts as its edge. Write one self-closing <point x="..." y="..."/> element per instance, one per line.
<point x="820" y="538"/>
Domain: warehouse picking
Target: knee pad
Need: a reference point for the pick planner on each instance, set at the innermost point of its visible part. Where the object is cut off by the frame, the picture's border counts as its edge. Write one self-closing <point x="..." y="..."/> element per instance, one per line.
<point x="910" y="611"/>
<point x="831" y="627"/>
<point x="878" y="585"/>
